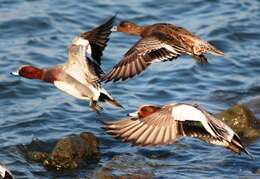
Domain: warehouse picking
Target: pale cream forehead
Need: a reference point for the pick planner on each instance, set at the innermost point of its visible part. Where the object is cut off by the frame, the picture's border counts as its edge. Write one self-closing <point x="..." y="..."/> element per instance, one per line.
<point x="80" y="41"/>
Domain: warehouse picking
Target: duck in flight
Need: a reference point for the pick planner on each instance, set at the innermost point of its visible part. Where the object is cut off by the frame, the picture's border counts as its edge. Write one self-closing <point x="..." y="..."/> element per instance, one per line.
<point x="157" y="125"/>
<point x="159" y="42"/>
<point x="80" y="75"/>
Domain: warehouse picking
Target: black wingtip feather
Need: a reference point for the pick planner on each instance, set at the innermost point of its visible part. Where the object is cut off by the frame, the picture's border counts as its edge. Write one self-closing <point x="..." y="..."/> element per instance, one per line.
<point x="237" y="142"/>
<point x="98" y="38"/>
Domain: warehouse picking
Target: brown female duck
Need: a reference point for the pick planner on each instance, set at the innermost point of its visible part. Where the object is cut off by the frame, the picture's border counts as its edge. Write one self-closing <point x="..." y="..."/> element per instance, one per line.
<point x="159" y="42"/>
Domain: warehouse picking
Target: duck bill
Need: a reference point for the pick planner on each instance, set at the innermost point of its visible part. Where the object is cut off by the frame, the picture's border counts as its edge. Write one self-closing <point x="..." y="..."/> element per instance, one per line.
<point x="133" y="114"/>
<point x="114" y="29"/>
<point x="15" y="73"/>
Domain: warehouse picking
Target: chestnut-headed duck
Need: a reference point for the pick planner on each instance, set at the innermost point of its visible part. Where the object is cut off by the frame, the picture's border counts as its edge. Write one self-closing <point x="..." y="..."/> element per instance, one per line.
<point x="159" y="42"/>
<point x="80" y="75"/>
<point x="154" y="125"/>
<point x="5" y="173"/>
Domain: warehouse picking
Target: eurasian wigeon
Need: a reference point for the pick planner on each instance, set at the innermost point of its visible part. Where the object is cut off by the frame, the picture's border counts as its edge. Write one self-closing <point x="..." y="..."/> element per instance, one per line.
<point x="159" y="42"/>
<point x="80" y="75"/>
<point x="153" y="125"/>
<point x="5" y="173"/>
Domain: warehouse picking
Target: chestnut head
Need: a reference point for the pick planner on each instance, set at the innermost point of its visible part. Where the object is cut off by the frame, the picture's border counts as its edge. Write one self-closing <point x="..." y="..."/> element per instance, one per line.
<point x="128" y="27"/>
<point x="144" y="111"/>
<point x="28" y="71"/>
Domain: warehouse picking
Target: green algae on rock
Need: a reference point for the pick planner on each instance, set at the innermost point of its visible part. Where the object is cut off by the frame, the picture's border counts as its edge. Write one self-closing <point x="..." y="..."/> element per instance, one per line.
<point x="242" y="120"/>
<point x="68" y="152"/>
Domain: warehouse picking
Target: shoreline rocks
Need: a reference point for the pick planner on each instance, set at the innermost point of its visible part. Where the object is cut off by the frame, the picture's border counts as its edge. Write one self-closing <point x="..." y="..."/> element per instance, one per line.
<point x="242" y="121"/>
<point x="68" y="152"/>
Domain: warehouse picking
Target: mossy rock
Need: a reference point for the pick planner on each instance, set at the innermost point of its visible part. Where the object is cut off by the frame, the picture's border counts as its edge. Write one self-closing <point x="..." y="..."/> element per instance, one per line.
<point x="242" y="120"/>
<point x="68" y="152"/>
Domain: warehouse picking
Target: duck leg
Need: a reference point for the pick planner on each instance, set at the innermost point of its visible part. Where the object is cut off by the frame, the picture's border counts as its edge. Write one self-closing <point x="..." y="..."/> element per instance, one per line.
<point x="94" y="106"/>
<point x="201" y="59"/>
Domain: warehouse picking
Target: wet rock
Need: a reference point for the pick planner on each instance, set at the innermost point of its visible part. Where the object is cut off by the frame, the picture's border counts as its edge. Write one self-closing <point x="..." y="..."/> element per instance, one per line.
<point x="126" y="166"/>
<point x="68" y="152"/>
<point x="37" y="156"/>
<point x="254" y="106"/>
<point x="242" y="120"/>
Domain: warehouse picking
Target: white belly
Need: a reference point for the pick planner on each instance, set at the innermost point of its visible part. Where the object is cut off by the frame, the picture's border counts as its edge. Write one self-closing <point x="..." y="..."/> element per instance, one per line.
<point x="69" y="89"/>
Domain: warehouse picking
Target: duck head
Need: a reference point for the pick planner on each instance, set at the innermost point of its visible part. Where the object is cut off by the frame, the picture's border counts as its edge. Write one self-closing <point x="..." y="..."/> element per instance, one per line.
<point x="28" y="71"/>
<point x="128" y="27"/>
<point x="144" y="111"/>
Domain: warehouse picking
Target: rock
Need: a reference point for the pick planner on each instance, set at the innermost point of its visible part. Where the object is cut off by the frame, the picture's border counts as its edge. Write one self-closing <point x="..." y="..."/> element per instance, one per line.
<point x="242" y="120"/>
<point x="126" y="166"/>
<point x="68" y="152"/>
<point x="37" y="156"/>
<point x="254" y="106"/>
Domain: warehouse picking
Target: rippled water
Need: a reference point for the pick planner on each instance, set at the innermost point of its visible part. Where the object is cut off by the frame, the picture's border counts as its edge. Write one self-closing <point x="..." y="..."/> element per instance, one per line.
<point x="38" y="32"/>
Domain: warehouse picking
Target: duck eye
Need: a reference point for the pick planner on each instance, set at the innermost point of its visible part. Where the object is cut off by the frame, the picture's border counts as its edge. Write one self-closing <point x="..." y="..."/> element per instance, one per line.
<point x="144" y="109"/>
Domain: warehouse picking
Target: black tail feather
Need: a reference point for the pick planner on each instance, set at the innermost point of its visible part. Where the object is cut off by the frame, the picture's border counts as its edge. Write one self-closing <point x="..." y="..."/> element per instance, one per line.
<point x="236" y="142"/>
<point x="105" y="98"/>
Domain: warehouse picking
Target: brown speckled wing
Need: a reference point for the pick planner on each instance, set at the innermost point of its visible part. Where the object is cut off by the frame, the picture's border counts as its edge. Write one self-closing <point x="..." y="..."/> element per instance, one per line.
<point x="140" y="56"/>
<point x="98" y="38"/>
<point x="155" y="129"/>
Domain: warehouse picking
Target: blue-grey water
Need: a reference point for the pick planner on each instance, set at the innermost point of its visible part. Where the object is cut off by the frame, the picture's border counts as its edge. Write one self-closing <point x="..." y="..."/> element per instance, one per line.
<point x="37" y="32"/>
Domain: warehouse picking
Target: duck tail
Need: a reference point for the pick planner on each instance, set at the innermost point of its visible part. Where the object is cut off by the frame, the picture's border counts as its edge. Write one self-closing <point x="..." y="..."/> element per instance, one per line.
<point x="108" y="99"/>
<point x="237" y="147"/>
<point x="225" y="136"/>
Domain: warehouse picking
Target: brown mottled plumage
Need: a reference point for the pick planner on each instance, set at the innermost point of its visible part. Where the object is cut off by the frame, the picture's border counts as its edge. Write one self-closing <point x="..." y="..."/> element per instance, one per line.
<point x="159" y="42"/>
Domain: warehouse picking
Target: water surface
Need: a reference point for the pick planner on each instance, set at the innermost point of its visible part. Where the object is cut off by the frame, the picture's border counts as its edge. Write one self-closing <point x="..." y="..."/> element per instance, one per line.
<point x="37" y="32"/>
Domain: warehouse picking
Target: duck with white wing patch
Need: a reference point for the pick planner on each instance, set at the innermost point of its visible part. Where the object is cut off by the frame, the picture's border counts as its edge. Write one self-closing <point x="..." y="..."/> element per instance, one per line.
<point x="80" y="75"/>
<point x="157" y="125"/>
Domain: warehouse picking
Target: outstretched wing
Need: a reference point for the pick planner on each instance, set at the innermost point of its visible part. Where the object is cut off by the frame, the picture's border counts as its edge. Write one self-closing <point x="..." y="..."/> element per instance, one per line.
<point x="85" y="52"/>
<point x="162" y="127"/>
<point x="173" y="121"/>
<point x="98" y="38"/>
<point x="157" y="128"/>
<point x="146" y="51"/>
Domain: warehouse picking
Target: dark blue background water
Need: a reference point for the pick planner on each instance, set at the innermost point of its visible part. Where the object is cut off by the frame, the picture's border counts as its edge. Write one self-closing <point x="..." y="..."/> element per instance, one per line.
<point x="38" y="31"/>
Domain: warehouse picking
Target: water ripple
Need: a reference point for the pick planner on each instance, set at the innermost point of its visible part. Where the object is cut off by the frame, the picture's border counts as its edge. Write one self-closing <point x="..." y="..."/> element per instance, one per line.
<point x="37" y="32"/>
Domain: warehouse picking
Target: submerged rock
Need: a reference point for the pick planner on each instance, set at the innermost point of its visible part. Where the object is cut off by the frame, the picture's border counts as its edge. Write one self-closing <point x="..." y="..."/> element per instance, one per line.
<point x="126" y="166"/>
<point x="241" y="120"/>
<point x="68" y="152"/>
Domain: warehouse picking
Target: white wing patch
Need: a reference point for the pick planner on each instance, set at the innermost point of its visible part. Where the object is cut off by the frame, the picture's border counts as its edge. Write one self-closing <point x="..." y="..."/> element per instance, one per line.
<point x="3" y="170"/>
<point x="171" y="49"/>
<point x="173" y="53"/>
<point x="80" y="41"/>
<point x="69" y="89"/>
<point x="85" y="43"/>
<point x="186" y="112"/>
